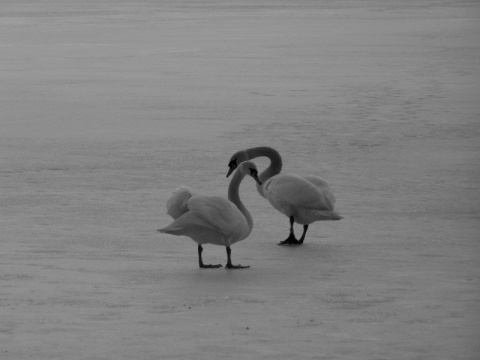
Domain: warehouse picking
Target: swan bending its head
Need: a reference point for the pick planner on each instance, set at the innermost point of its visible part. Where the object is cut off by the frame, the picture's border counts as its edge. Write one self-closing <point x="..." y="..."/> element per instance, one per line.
<point x="212" y="219"/>
<point x="303" y="199"/>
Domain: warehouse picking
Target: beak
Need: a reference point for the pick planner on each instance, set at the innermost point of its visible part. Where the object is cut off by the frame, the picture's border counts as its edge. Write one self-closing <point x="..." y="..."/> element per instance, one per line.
<point x="230" y="171"/>
<point x="257" y="179"/>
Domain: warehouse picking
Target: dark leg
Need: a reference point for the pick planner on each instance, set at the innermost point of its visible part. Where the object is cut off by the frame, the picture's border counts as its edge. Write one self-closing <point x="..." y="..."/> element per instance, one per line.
<point x="229" y="261"/>
<point x="200" y="261"/>
<point x="291" y="240"/>
<point x="305" y="228"/>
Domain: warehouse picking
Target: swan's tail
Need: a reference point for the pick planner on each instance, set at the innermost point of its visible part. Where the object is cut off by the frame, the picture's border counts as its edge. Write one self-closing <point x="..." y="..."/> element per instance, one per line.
<point x="177" y="202"/>
<point x="336" y="216"/>
<point x="166" y="230"/>
<point x="328" y="215"/>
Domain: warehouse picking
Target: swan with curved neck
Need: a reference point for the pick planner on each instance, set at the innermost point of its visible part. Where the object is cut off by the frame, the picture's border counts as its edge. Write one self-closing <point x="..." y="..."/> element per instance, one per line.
<point x="212" y="219"/>
<point x="303" y="199"/>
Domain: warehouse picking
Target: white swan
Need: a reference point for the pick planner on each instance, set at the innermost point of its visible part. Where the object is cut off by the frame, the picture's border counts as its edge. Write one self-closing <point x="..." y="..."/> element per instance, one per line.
<point x="212" y="219"/>
<point x="303" y="199"/>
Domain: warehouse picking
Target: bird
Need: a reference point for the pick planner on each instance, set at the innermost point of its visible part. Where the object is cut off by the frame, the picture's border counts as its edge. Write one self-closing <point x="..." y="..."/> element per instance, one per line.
<point x="212" y="219"/>
<point x="303" y="199"/>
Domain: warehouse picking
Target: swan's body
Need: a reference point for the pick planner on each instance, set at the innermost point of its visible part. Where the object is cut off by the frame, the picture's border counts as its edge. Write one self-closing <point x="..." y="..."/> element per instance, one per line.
<point x="303" y="199"/>
<point x="212" y="219"/>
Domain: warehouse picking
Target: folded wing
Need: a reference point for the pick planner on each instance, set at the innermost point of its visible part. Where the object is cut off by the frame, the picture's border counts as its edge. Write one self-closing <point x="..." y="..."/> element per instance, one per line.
<point x="217" y="213"/>
<point x="300" y="192"/>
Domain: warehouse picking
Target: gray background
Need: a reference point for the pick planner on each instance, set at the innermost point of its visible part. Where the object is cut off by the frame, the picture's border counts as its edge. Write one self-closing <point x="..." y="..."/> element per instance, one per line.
<point x="108" y="106"/>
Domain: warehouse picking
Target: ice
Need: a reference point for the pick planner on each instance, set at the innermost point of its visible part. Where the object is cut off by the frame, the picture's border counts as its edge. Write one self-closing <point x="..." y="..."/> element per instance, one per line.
<point x="109" y="106"/>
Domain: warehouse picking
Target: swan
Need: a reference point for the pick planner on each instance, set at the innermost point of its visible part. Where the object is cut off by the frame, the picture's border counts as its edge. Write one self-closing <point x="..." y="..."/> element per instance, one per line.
<point x="212" y="219"/>
<point x="303" y="199"/>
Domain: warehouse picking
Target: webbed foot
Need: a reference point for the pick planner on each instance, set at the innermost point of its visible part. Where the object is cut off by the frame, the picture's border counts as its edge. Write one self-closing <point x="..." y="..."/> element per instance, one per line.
<point x="210" y="266"/>
<point x="291" y="240"/>
<point x="229" y="261"/>
<point x="230" y="266"/>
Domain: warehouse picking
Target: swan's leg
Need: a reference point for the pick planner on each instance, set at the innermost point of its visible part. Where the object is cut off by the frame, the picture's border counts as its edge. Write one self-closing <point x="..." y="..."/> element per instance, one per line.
<point x="305" y="228"/>
<point x="200" y="261"/>
<point x="291" y="240"/>
<point x="229" y="261"/>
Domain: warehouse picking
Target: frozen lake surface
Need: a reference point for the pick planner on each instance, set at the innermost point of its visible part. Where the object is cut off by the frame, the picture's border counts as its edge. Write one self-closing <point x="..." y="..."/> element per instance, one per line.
<point x="108" y="106"/>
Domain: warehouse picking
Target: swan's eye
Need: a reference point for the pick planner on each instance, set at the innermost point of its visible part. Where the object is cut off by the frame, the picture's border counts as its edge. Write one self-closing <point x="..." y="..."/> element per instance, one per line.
<point x="253" y="172"/>
<point x="233" y="164"/>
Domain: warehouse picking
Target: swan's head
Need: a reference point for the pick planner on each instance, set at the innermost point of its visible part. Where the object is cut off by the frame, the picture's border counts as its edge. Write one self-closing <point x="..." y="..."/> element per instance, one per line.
<point x="249" y="168"/>
<point x="236" y="160"/>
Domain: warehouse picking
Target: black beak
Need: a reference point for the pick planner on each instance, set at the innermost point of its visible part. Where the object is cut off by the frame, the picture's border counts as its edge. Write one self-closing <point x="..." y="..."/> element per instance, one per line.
<point x="255" y="176"/>
<point x="230" y="171"/>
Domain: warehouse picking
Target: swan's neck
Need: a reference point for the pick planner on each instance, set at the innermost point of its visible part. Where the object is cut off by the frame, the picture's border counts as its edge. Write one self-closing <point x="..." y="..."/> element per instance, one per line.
<point x="234" y="196"/>
<point x="275" y="163"/>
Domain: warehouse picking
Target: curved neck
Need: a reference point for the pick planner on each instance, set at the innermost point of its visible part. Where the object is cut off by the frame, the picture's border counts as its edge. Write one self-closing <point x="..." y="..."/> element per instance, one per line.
<point x="234" y="196"/>
<point x="275" y="163"/>
<point x="275" y="160"/>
